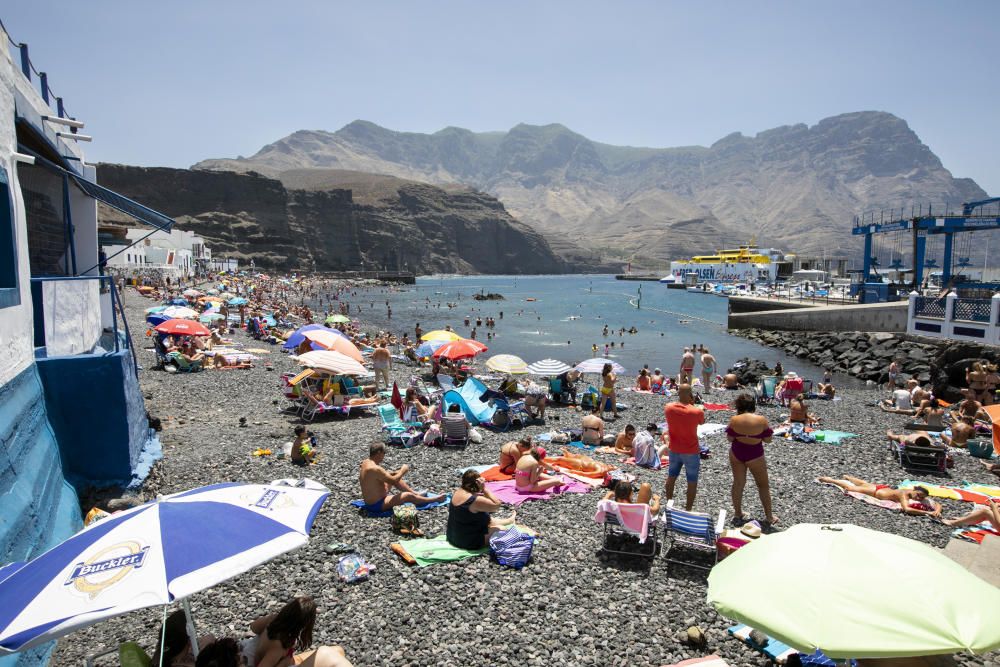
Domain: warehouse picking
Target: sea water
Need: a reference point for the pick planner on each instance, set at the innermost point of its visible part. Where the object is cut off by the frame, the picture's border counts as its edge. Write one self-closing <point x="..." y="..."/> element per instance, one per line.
<point x="566" y="318"/>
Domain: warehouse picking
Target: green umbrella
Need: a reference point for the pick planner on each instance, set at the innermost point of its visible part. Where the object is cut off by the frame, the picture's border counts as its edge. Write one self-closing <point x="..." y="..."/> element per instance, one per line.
<point x="856" y="593"/>
<point x="337" y="319"/>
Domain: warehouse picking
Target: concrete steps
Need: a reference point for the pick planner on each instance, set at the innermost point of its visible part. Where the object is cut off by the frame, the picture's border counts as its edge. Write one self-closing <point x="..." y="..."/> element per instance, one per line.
<point x="982" y="560"/>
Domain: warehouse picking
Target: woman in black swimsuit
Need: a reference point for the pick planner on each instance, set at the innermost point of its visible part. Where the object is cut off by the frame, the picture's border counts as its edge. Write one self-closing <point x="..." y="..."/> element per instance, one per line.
<point x="469" y="522"/>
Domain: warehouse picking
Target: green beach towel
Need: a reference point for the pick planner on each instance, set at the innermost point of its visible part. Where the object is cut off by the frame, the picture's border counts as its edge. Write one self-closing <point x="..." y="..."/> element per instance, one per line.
<point x="833" y="437"/>
<point x="431" y="550"/>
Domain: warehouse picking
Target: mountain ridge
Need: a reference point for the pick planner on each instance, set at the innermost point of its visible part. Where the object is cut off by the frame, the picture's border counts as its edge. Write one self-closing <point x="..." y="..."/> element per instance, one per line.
<point x="795" y="185"/>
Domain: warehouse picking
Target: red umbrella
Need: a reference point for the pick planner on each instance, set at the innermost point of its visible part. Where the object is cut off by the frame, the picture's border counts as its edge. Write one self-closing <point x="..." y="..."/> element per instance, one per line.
<point x="183" y="328"/>
<point x="459" y="349"/>
<point x="397" y="400"/>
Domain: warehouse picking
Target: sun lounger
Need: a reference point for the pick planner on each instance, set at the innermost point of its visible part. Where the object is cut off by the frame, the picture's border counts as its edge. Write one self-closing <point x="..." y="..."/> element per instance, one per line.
<point x="919" y="458"/>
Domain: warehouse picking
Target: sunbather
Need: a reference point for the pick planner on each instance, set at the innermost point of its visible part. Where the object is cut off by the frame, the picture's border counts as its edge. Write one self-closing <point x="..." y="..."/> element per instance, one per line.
<point x="730" y="381"/>
<point x="512" y="452"/>
<point x="623" y="494"/>
<point x="900" y="403"/>
<point x="643" y="383"/>
<point x="932" y="414"/>
<point x="470" y="523"/>
<point x="529" y="475"/>
<point x="799" y="412"/>
<point x="582" y="463"/>
<point x="223" y="652"/>
<point x="278" y="636"/>
<point x="961" y="431"/>
<point x="969" y="407"/>
<point x="593" y="430"/>
<point x="414" y="410"/>
<point x="535" y="399"/>
<point x="747" y="432"/>
<point x="623" y="443"/>
<point x="988" y="512"/>
<point x="917" y="439"/>
<point x="376" y="482"/>
<point x="913" y="501"/>
<point x="827" y="391"/>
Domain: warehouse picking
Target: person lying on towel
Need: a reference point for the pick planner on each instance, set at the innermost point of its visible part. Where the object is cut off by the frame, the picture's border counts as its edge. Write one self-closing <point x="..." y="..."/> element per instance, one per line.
<point x="579" y="463"/>
<point x="913" y="501"/>
<point x="989" y="512"/>
<point x="622" y="493"/>
<point x="376" y="482"/>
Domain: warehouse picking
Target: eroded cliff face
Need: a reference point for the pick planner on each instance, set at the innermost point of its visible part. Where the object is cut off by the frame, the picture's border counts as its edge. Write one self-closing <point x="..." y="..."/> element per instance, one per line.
<point x="409" y="226"/>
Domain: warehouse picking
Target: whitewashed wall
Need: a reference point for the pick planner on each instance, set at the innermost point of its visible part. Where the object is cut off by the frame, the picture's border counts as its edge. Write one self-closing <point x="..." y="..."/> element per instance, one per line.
<point x="72" y="316"/>
<point x="16" y="348"/>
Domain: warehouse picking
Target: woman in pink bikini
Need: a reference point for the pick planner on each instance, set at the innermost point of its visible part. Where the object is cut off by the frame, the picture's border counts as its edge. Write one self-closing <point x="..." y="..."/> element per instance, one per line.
<point x="748" y="432"/>
<point x="529" y="476"/>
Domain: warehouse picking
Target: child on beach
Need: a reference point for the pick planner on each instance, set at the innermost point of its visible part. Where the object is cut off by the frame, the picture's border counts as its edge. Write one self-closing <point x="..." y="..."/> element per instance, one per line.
<point x="302" y="447"/>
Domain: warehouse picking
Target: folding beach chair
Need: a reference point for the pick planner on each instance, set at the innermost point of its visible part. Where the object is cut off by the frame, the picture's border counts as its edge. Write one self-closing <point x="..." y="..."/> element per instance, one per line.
<point x="624" y="527"/>
<point x="915" y="457"/>
<point x="176" y="363"/>
<point x="765" y="390"/>
<point x="691" y="529"/>
<point x="397" y="431"/>
<point x="455" y="430"/>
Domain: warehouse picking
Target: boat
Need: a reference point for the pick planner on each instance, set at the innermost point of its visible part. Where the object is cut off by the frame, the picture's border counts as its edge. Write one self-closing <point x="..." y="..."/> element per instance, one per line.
<point x="747" y="264"/>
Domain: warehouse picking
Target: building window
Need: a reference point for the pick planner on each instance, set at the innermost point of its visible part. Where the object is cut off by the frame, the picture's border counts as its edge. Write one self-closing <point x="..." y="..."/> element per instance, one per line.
<point x="10" y="293"/>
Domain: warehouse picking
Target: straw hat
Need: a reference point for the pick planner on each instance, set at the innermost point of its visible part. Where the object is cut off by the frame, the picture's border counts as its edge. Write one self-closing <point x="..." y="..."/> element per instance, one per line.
<point x="751" y="529"/>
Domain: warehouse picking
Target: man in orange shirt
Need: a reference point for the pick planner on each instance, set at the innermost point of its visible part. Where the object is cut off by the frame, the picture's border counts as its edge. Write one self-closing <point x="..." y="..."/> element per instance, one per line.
<point x="683" y="419"/>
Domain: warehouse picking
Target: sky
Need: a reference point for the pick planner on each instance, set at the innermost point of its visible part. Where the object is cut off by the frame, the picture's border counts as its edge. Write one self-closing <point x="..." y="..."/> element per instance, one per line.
<point x="172" y="83"/>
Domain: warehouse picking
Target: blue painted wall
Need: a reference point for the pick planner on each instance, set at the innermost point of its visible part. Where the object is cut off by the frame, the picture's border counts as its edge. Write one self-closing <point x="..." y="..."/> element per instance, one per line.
<point x="96" y="410"/>
<point x="39" y="507"/>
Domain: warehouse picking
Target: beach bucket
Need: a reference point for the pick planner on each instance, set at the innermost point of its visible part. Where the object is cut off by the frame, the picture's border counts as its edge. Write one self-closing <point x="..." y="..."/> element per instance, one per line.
<point x="727" y="545"/>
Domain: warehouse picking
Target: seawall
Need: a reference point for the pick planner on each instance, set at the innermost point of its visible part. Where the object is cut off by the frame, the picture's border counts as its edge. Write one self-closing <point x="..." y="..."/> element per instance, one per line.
<point x="883" y="317"/>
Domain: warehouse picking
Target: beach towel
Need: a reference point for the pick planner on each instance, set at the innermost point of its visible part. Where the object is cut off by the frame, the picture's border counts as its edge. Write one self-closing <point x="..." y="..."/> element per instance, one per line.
<point x="634" y="517"/>
<point x="507" y="492"/>
<point x="777" y="651"/>
<point x="833" y="437"/>
<point x="884" y="504"/>
<point x="430" y="550"/>
<point x="579" y="445"/>
<point x="359" y="503"/>
<point x="986" y="489"/>
<point x="976" y="533"/>
<point x="947" y="492"/>
<point x="493" y="474"/>
<point x="705" y="430"/>
<point x="563" y="464"/>
<point x="480" y="469"/>
<point x="711" y="407"/>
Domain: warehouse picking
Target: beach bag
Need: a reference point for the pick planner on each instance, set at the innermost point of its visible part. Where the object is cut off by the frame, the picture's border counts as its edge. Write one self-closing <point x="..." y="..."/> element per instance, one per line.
<point x="353" y="568"/>
<point x="405" y="520"/>
<point x="511" y="547"/>
<point x="475" y="436"/>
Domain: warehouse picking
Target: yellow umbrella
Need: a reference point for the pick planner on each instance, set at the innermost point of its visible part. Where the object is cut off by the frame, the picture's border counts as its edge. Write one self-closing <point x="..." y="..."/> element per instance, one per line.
<point x="507" y="363"/>
<point x="440" y="334"/>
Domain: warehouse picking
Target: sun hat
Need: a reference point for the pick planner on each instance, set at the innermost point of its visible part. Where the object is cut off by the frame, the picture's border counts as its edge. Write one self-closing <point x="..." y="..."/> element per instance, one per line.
<point x="790" y="375"/>
<point x="541" y="451"/>
<point x="751" y="529"/>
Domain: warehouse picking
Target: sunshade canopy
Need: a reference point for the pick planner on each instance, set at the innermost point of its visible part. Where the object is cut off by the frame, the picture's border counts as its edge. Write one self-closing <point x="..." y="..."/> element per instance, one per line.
<point x="853" y="592"/>
<point x="332" y="341"/>
<point x="596" y="365"/>
<point x="548" y="367"/>
<point x="179" y="312"/>
<point x="183" y="328"/>
<point x="332" y="362"/>
<point x="440" y="334"/>
<point x="459" y="349"/>
<point x="507" y="363"/>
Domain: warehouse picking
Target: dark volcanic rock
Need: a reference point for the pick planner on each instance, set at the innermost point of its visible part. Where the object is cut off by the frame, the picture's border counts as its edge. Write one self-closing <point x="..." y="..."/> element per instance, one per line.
<point x="409" y="226"/>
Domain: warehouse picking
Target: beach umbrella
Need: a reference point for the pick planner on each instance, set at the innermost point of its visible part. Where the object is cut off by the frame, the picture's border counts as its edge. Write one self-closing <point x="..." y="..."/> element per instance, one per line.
<point x="177" y="302"/>
<point x="192" y="293"/>
<point x="156" y="319"/>
<point x="183" y="328"/>
<point x="227" y="295"/>
<point x="596" y="365"/>
<point x="332" y="362"/>
<point x="337" y="318"/>
<point x="441" y="334"/>
<point x="459" y="349"/>
<point x="331" y="341"/>
<point x="853" y="592"/>
<point x="548" y="367"/>
<point x="179" y="312"/>
<point x="211" y="317"/>
<point x="154" y="554"/>
<point x="156" y="309"/>
<point x="507" y="363"/>
<point x="237" y="301"/>
<point x="428" y="348"/>
<point x="212" y="291"/>
<point x="296" y="338"/>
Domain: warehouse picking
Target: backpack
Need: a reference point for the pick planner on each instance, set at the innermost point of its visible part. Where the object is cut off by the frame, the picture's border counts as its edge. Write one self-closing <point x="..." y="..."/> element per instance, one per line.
<point x="511" y="547"/>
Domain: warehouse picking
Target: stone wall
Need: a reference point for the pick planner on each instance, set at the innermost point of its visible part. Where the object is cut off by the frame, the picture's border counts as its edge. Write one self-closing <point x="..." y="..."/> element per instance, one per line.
<point x="939" y="363"/>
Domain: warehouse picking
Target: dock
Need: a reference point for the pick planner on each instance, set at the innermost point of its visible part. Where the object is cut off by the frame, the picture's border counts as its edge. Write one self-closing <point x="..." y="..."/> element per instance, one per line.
<point x="649" y="278"/>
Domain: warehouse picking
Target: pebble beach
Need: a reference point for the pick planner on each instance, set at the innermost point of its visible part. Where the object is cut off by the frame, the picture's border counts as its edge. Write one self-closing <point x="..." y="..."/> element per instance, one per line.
<point x="567" y="607"/>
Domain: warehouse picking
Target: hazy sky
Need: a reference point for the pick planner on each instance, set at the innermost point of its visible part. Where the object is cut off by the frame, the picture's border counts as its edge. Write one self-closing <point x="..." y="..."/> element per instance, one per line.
<point x="171" y="83"/>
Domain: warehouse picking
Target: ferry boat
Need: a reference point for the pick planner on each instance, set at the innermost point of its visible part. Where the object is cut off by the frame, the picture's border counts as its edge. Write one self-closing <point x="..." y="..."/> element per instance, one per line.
<point x="746" y="264"/>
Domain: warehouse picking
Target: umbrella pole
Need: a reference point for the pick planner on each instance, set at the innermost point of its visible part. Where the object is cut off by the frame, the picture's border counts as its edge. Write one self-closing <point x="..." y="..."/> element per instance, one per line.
<point x="192" y="635"/>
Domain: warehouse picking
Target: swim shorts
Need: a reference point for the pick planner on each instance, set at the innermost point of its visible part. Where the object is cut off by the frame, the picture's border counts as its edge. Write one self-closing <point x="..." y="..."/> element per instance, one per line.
<point x="690" y="462"/>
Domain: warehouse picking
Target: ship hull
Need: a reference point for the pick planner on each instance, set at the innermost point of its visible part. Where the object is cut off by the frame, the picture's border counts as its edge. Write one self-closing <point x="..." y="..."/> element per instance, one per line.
<point x="726" y="272"/>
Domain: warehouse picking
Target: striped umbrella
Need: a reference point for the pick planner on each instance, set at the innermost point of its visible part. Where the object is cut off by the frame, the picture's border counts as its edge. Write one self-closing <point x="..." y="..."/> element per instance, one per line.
<point x="154" y="554"/>
<point x="507" y="363"/>
<point x="596" y="365"/>
<point x="548" y="367"/>
<point x="332" y="362"/>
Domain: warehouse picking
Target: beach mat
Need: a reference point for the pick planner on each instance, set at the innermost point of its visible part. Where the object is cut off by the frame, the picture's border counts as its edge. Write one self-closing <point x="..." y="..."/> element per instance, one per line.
<point x="430" y="550"/>
<point x="975" y="533"/>
<point x="712" y="407"/>
<point x="947" y="492"/>
<point x="833" y="437"/>
<point x="360" y="504"/>
<point x="777" y="651"/>
<point x="480" y="469"/>
<point x="493" y="474"/>
<point x="705" y="430"/>
<point x="507" y="493"/>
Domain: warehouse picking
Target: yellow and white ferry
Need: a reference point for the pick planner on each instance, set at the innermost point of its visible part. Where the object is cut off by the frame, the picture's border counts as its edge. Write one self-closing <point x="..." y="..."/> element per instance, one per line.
<point x="746" y="264"/>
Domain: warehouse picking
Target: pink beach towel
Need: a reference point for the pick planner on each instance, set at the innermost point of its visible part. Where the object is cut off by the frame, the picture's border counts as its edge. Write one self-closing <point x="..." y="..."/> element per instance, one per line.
<point x="507" y="491"/>
<point x="634" y="517"/>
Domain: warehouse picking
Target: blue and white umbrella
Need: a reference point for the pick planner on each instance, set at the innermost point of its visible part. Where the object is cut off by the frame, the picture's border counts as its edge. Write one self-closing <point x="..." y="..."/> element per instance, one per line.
<point x="427" y="348"/>
<point x="153" y="554"/>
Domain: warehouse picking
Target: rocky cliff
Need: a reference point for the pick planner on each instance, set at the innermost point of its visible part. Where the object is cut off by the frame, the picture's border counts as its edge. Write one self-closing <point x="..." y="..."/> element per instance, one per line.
<point x="316" y="222"/>
<point x="796" y="186"/>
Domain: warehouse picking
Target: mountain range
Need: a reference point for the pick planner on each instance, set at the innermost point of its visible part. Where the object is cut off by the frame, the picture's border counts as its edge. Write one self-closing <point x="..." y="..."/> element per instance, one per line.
<point x="795" y="186"/>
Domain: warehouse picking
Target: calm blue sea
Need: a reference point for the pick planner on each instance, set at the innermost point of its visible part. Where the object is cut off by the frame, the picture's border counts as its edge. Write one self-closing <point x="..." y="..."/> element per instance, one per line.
<point x="568" y="317"/>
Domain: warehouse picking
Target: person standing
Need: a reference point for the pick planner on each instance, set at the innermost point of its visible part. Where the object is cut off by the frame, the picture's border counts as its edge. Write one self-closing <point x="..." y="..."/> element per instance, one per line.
<point x="687" y="367"/>
<point x="708" y="369"/>
<point x="382" y="363"/>
<point x="890" y="385"/>
<point x="748" y="432"/>
<point x="683" y="419"/>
